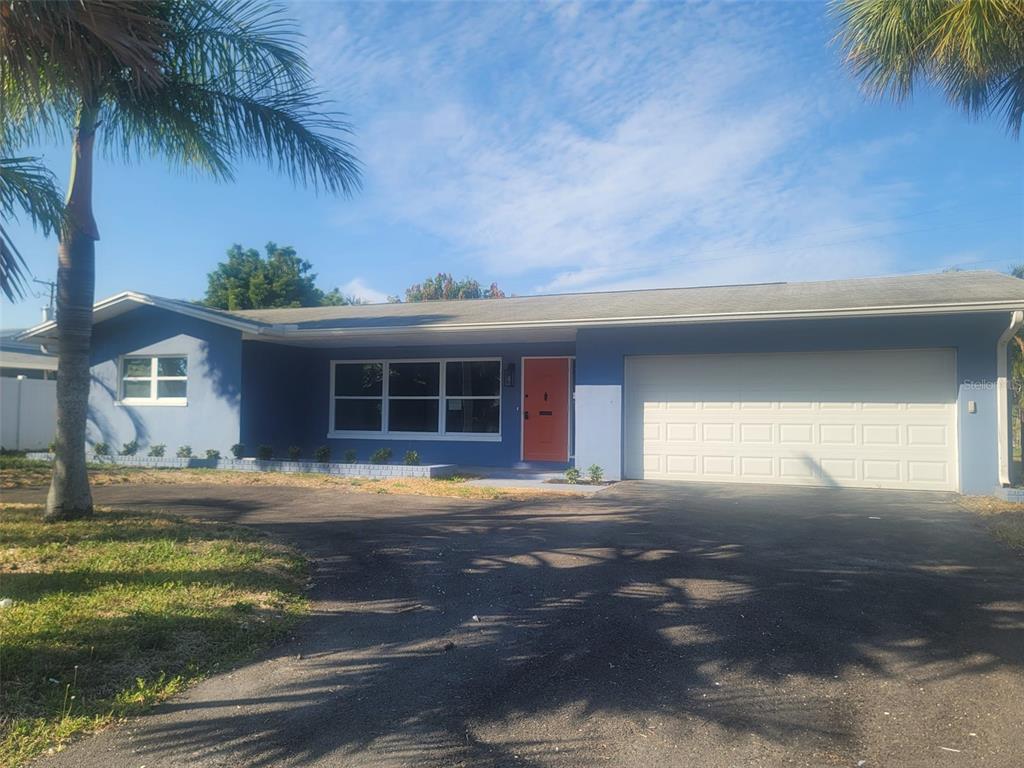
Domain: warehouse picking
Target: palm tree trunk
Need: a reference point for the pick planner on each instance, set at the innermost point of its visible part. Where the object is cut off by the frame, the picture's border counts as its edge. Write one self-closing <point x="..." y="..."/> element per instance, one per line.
<point x="1018" y="394"/>
<point x="70" y="496"/>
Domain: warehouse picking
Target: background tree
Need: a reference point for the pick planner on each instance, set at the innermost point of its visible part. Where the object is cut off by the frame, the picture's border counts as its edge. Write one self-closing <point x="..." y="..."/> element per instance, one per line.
<point x="203" y="83"/>
<point x="249" y="281"/>
<point x="444" y="287"/>
<point x="972" y="49"/>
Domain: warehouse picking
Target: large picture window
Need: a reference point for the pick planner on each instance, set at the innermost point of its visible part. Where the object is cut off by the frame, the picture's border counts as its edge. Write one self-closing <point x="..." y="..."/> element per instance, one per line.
<point x="159" y="379"/>
<point x="454" y="399"/>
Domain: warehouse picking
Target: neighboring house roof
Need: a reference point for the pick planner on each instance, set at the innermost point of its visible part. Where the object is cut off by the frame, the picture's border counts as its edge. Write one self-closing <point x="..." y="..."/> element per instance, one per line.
<point x="24" y="355"/>
<point x="929" y="294"/>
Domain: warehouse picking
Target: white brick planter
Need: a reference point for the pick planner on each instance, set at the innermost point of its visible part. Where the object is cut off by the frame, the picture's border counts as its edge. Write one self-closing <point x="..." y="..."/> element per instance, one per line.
<point x="1016" y="495"/>
<point x="257" y="465"/>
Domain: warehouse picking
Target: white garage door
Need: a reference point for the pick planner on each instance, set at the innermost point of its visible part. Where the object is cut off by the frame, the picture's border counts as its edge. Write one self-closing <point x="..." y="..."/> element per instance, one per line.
<point x="867" y="419"/>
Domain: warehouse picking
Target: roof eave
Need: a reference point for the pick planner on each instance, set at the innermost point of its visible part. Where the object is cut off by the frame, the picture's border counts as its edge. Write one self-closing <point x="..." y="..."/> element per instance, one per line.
<point x="48" y="329"/>
<point x="294" y="332"/>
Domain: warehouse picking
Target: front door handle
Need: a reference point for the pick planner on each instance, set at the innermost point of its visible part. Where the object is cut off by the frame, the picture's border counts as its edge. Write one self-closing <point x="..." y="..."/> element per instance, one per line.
<point x="526" y="415"/>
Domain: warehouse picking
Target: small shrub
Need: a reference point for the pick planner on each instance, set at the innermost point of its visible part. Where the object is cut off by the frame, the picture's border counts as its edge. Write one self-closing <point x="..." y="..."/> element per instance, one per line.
<point x="411" y="458"/>
<point x="595" y="473"/>
<point x="265" y="452"/>
<point x="101" y="449"/>
<point x="380" y="456"/>
<point x="130" y="449"/>
<point x="52" y="447"/>
<point x="322" y="454"/>
<point x="351" y="456"/>
<point x="294" y="453"/>
<point x="212" y="454"/>
<point x="237" y="450"/>
<point x="157" y="451"/>
<point x="572" y="476"/>
<point x="185" y="452"/>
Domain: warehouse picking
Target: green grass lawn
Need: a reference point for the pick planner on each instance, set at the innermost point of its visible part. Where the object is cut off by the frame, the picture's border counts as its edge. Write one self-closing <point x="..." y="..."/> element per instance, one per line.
<point x="113" y="614"/>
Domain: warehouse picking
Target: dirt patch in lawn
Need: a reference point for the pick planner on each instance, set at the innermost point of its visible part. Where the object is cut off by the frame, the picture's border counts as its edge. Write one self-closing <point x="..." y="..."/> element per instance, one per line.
<point x="1004" y="518"/>
<point x="31" y="474"/>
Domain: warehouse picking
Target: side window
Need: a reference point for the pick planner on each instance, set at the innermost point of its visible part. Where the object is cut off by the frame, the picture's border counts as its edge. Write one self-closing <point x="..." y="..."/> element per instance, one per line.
<point x="154" y="379"/>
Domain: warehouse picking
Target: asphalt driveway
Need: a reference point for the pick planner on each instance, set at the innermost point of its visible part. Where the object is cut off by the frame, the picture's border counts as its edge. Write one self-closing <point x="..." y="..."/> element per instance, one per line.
<point x="652" y="624"/>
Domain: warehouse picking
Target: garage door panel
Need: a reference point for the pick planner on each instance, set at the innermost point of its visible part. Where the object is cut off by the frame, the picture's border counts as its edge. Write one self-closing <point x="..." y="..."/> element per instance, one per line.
<point x="837" y="434"/>
<point x="757" y="466"/>
<point x="927" y="434"/>
<point x="790" y="434"/>
<point x="795" y="418"/>
<point x="880" y="434"/>
<point x="756" y="433"/>
<point x="841" y="470"/>
<point x="719" y="465"/>
<point x="718" y="433"/>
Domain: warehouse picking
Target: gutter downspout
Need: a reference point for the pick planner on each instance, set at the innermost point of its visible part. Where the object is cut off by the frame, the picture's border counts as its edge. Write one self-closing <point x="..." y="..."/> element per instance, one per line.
<point x="1002" y="397"/>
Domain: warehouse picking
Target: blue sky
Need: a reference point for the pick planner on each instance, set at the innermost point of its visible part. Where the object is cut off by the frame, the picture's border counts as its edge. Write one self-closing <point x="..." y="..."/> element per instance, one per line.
<point x="571" y="147"/>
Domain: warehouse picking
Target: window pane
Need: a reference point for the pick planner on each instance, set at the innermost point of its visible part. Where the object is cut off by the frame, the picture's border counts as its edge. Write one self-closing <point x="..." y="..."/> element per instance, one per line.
<point x="357" y="414"/>
<point x="359" y="379"/>
<point x="472" y="415"/>
<point x="412" y="415"/>
<point x="473" y="378"/>
<point x="138" y="366"/>
<point x="171" y="388"/>
<point x="414" y="380"/>
<point x="136" y="389"/>
<point x="172" y="366"/>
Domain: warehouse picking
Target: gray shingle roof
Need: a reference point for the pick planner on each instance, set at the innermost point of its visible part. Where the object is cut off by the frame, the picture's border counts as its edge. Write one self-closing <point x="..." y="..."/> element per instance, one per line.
<point x="20" y="354"/>
<point x="937" y="293"/>
<point x="955" y="289"/>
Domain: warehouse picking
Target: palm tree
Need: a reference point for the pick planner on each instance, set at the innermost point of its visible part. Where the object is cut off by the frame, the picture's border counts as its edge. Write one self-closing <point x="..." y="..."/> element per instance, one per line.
<point x="972" y="49"/>
<point x="204" y="83"/>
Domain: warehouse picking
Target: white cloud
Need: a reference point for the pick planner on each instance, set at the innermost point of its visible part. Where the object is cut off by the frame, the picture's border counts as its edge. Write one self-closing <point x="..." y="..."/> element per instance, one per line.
<point x="358" y="288"/>
<point x="584" y="147"/>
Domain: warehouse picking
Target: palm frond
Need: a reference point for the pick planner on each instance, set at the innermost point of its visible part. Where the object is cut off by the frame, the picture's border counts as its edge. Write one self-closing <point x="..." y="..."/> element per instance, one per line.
<point x="28" y="186"/>
<point x="971" y="49"/>
<point x="25" y="187"/>
<point x="74" y="45"/>
<point x="1009" y="99"/>
<point x="243" y="42"/>
<point x="12" y="268"/>
<point x="227" y="81"/>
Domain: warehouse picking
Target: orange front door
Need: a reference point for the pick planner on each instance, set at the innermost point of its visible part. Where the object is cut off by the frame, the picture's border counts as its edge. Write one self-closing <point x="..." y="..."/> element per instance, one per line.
<point x="546" y="409"/>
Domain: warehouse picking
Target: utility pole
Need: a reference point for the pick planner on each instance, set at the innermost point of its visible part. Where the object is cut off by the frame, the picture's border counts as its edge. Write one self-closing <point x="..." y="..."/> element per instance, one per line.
<point x="48" y="311"/>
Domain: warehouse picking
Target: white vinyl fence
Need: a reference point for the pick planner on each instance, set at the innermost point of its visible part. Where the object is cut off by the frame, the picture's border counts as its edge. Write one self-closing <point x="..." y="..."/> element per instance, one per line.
<point x="28" y="413"/>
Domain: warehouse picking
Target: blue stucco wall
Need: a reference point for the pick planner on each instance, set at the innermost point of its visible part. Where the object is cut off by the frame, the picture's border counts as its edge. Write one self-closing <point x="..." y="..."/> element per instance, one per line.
<point x="286" y="401"/>
<point x="262" y="393"/>
<point x="211" y="417"/>
<point x="600" y="372"/>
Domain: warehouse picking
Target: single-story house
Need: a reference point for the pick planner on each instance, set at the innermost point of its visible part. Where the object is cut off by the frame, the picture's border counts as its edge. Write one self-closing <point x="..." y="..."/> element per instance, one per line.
<point x="895" y="382"/>
<point x="20" y="358"/>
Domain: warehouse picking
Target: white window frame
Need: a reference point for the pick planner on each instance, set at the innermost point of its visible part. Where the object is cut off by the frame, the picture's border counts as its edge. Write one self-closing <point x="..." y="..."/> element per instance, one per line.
<point x="153" y="380"/>
<point x="442" y="397"/>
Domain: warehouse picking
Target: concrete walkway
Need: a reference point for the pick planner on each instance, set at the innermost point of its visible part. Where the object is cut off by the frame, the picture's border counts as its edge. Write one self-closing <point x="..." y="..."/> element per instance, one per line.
<point x="515" y="477"/>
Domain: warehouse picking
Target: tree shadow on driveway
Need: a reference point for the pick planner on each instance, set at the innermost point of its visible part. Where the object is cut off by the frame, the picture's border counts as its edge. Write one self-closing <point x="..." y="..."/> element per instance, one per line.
<point x="650" y="624"/>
